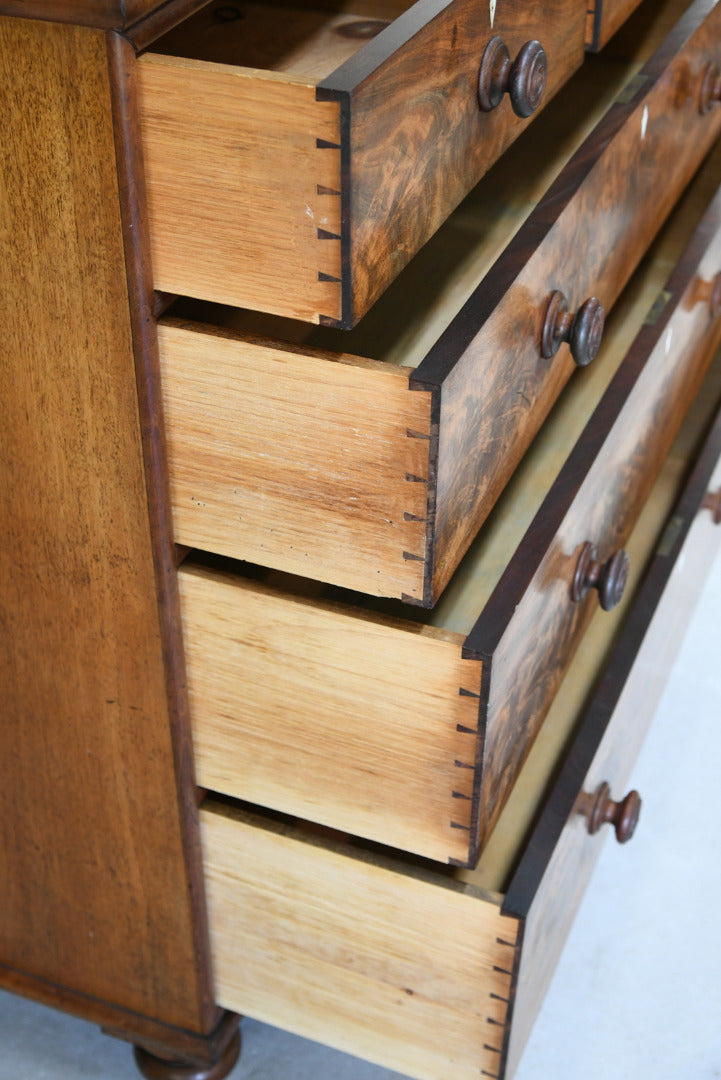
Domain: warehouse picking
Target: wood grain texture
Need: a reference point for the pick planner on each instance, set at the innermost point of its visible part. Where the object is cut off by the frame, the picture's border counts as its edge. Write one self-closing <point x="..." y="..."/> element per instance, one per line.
<point x="131" y="183"/>
<point x="305" y="42"/>
<point x="241" y="168"/>
<point x="627" y="441"/>
<point x="610" y="735"/>
<point x="411" y="136"/>
<point x="269" y="463"/>
<point x="605" y="17"/>
<point x="628" y="436"/>
<point x="103" y="14"/>
<point x="399" y="331"/>
<point x="358" y="723"/>
<point x="634" y="165"/>
<point x="404" y="970"/>
<point x="419" y="140"/>
<point x="294" y="891"/>
<point x="90" y="799"/>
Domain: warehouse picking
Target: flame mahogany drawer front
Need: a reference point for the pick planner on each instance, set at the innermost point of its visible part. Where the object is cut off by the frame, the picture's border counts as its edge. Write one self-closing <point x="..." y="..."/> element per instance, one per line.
<point x="350" y="467"/>
<point x="440" y="976"/>
<point x="410" y="733"/>
<point x="296" y="159"/>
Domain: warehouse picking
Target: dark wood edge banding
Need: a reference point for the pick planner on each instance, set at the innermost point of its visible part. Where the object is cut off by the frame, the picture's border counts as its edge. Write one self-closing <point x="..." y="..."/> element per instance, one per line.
<point x="513" y="991"/>
<point x="453" y="342"/>
<point x="531" y="868"/>
<point x="597" y="17"/>
<point x="346" y="321"/>
<point x="478" y="775"/>
<point x="380" y="48"/>
<point x="425" y="600"/>
<point x="122" y="73"/>
<point x="493" y="621"/>
<point x="122" y="1023"/>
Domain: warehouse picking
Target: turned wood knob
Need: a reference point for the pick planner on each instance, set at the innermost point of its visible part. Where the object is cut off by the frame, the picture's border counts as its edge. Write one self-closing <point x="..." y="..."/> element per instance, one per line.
<point x="608" y="577"/>
<point x="712" y="502"/>
<point x="523" y="79"/>
<point x="710" y="91"/>
<point x="583" y="331"/>
<point x="600" y="809"/>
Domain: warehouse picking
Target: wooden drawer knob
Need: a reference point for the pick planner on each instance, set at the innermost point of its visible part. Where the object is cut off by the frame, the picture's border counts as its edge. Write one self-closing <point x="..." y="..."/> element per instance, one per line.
<point x="583" y="331"/>
<point x="608" y="577"/>
<point x="710" y="92"/>
<point x="600" y="809"/>
<point x="712" y="502"/>
<point x="523" y="79"/>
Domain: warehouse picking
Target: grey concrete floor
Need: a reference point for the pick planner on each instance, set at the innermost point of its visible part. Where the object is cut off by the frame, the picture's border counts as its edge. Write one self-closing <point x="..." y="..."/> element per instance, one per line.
<point x="637" y="994"/>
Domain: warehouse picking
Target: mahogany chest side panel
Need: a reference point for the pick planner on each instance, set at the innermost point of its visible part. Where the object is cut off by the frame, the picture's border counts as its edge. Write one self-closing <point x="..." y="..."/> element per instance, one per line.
<point x="95" y="891"/>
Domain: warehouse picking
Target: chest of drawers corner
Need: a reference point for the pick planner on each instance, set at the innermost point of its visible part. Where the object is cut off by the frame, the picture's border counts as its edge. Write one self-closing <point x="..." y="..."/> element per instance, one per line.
<point x="437" y="301"/>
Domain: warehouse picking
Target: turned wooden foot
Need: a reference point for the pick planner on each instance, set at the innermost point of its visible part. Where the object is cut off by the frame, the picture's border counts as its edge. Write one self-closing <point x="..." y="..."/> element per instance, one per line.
<point x="157" y="1068"/>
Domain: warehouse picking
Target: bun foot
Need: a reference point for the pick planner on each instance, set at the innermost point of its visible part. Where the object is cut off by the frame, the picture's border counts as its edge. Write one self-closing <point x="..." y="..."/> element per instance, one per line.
<point x="157" y="1068"/>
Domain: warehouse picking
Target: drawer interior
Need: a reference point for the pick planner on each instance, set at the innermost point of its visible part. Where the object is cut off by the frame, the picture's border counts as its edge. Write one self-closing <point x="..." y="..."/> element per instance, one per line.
<point x="395" y="751"/>
<point x="430" y="971"/>
<point x="414" y="311"/>
<point x="300" y="40"/>
<point x="454" y="614"/>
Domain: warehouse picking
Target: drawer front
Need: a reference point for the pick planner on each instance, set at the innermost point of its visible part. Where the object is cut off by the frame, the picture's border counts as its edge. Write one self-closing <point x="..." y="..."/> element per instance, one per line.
<point x="616" y="719"/>
<point x="583" y="240"/>
<point x="396" y="731"/>
<point x="389" y="501"/>
<point x="542" y="598"/>
<point x="428" y="974"/>
<point x="347" y="174"/>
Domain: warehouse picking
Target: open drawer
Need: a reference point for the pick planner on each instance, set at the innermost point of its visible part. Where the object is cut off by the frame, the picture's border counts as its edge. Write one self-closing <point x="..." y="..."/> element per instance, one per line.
<point x="298" y="155"/>
<point x="370" y="459"/>
<point x="436" y="975"/>
<point x="411" y="732"/>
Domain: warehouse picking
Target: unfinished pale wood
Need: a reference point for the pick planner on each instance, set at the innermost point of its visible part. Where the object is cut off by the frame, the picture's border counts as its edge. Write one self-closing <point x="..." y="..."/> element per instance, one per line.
<point x="317" y="497"/>
<point x="320" y="700"/>
<point x="305" y="929"/>
<point x="225" y="149"/>
<point x="406" y="325"/>
<point x="410" y="972"/>
<point x="358" y="693"/>
<point x="316" y="487"/>
<point x="410" y="111"/>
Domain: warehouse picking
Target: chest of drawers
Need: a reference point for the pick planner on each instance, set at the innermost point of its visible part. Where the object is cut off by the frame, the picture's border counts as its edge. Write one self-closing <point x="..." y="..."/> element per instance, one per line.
<point x="335" y="710"/>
